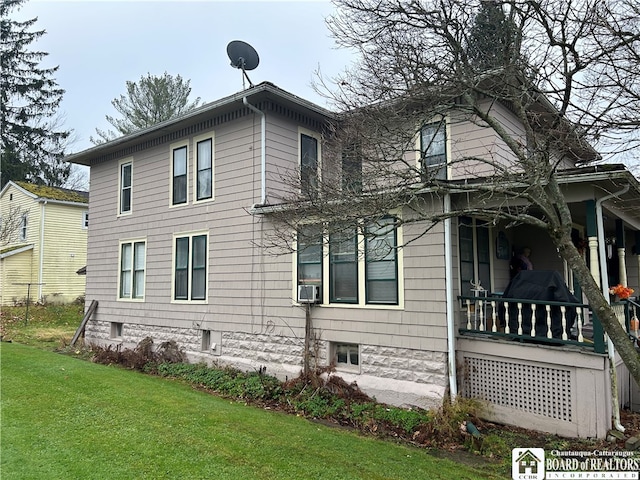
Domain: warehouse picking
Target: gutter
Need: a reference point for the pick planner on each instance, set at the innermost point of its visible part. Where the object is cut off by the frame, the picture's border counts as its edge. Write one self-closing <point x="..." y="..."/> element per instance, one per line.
<point x="451" y="331"/>
<point x="263" y="152"/>
<point x="604" y="283"/>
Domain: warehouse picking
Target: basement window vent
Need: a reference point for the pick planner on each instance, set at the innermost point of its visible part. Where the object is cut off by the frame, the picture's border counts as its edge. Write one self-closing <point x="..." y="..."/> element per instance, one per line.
<point x="116" y="330"/>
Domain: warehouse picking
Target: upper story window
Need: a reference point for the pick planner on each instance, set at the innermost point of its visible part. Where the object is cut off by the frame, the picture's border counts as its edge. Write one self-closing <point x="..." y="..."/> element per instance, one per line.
<point x="309" y="163"/>
<point x="126" y="186"/>
<point x="475" y="255"/>
<point x="433" y="150"/>
<point x="352" y="168"/>
<point x="204" y="167"/>
<point x="23" y="227"/>
<point x="132" y="270"/>
<point x="190" y="267"/>
<point x="179" y="162"/>
<point x="85" y="220"/>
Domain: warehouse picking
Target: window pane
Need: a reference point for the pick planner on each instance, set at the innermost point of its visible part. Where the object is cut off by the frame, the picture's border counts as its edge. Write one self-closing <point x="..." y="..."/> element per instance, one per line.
<point x="138" y="258"/>
<point x="125" y="202"/>
<point x="180" y="161"/>
<point x="125" y="257"/>
<point x="204" y="155"/>
<point x="179" y="189"/>
<point x="182" y="253"/>
<point x="182" y="285"/>
<point x="198" y="284"/>
<point x="344" y="282"/>
<point x="385" y="291"/>
<point x="308" y="163"/>
<point x="310" y="273"/>
<point x="138" y="284"/>
<point x="125" y="284"/>
<point x="199" y="251"/>
<point x="126" y="176"/>
<point x="204" y="184"/>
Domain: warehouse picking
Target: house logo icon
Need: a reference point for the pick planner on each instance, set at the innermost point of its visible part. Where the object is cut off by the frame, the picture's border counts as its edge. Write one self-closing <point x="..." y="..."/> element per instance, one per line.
<point x="527" y="464"/>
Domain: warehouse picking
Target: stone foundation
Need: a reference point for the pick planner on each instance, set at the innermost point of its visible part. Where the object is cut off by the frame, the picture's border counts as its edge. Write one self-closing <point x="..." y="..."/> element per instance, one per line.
<point x="398" y="376"/>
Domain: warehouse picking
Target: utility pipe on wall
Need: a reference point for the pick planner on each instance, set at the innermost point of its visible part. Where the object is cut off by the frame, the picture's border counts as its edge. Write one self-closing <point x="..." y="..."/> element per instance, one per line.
<point x="604" y="283"/>
<point x="41" y="259"/>
<point x="263" y="152"/>
<point x="451" y="330"/>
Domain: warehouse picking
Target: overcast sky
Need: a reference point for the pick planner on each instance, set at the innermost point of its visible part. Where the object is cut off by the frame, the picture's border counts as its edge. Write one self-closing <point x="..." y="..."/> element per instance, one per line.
<point x="99" y="45"/>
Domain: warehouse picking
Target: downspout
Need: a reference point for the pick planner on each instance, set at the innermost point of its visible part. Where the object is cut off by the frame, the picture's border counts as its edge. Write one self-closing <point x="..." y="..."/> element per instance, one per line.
<point x="604" y="284"/>
<point x="451" y="331"/>
<point x="263" y="153"/>
<point x="41" y="260"/>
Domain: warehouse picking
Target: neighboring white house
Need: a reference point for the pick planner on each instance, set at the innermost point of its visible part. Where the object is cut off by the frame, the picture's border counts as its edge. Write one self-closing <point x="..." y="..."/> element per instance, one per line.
<point x="179" y="211"/>
<point x="40" y="255"/>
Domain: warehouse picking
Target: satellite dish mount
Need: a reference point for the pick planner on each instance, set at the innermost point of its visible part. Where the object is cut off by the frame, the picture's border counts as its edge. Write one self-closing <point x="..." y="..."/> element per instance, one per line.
<point x="244" y="57"/>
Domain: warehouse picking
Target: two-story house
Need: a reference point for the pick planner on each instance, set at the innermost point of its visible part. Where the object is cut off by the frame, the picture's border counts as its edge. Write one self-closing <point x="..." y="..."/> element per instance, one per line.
<point x="180" y="215"/>
<point x="44" y="243"/>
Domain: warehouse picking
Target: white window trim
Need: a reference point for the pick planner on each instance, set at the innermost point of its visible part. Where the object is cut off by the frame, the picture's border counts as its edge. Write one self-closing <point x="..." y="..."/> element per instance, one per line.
<point x="132" y="241"/>
<point x="362" y="284"/>
<point x="316" y="135"/>
<point x="121" y="163"/>
<point x="447" y="132"/>
<point x="172" y="147"/>
<point x="200" y="138"/>
<point x="189" y="269"/>
<point x="85" y="220"/>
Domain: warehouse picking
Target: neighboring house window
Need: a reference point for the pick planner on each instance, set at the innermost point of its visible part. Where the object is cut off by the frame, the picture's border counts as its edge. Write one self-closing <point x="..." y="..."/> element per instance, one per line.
<point x="352" y="168"/>
<point x="343" y="266"/>
<point x="309" y="248"/>
<point x="23" y="227"/>
<point x="204" y="168"/>
<point x="179" y="156"/>
<point x="132" y="269"/>
<point x="433" y="152"/>
<point x="309" y="163"/>
<point x="190" y="267"/>
<point x="85" y="220"/>
<point x="126" y="183"/>
<point x="381" y="263"/>
<point x="346" y="355"/>
<point x="475" y="255"/>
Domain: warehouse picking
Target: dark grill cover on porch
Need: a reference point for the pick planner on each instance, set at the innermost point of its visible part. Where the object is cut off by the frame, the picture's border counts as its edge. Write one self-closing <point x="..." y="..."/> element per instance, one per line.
<point x="539" y="285"/>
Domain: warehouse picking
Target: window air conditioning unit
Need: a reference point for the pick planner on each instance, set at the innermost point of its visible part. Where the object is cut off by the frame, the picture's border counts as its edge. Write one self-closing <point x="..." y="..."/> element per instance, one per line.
<point x="308" y="293"/>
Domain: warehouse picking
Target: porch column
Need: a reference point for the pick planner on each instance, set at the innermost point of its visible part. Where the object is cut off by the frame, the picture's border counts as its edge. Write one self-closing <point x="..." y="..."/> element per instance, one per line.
<point x="622" y="264"/>
<point x="592" y="237"/>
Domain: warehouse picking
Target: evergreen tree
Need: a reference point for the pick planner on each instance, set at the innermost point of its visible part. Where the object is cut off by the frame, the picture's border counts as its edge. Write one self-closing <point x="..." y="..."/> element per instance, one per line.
<point x="31" y="144"/>
<point x="492" y="41"/>
<point x="150" y="100"/>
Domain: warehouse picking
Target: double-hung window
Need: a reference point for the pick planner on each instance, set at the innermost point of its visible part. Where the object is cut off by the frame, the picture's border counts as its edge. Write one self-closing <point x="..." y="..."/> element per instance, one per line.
<point x="381" y="262"/>
<point x="433" y="150"/>
<point x="126" y="186"/>
<point x="23" y="227"/>
<point x="310" y="257"/>
<point x="309" y="163"/>
<point x="352" y="168"/>
<point x="190" y="267"/>
<point x="475" y="255"/>
<point x="179" y="159"/>
<point x="204" y="168"/>
<point x="343" y="265"/>
<point x="132" y="269"/>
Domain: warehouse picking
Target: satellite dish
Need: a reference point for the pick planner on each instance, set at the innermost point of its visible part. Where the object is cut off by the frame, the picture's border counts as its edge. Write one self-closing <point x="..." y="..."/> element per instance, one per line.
<point x="244" y="57"/>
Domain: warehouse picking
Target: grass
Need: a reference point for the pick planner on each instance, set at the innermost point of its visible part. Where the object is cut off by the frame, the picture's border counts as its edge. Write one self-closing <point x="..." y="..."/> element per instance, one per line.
<point x="48" y="327"/>
<point x="67" y="418"/>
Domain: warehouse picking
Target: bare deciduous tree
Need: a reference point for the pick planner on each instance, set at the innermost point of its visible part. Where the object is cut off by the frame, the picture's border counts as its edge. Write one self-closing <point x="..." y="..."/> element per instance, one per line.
<point x="570" y="80"/>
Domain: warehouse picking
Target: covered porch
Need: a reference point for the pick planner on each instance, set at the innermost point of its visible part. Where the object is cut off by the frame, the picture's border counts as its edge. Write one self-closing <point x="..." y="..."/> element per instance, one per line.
<point x="542" y="361"/>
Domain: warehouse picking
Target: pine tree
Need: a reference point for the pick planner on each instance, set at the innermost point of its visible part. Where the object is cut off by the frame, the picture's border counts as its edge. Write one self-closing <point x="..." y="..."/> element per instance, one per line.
<point x="150" y="100"/>
<point x="492" y="41"/>
<point x="31" y="144"/>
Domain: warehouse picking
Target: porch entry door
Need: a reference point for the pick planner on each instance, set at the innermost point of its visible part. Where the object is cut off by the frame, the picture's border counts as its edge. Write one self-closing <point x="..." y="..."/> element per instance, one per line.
<point x="475" y="254"/>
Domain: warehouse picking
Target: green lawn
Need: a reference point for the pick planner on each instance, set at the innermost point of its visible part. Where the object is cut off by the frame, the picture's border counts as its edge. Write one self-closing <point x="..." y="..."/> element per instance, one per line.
<point x="64" y="418"/>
